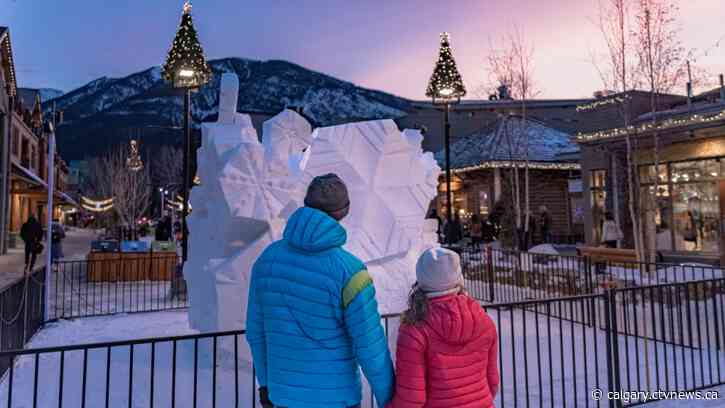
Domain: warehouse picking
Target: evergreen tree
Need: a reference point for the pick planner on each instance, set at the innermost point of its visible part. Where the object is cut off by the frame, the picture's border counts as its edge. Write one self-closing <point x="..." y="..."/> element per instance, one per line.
<point x="446" y="82"/>
<point x="185" y="64"/>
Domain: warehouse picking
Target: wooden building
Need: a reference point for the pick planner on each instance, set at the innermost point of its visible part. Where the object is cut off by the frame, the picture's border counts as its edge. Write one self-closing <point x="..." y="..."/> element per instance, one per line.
<point x="483" y="163"/>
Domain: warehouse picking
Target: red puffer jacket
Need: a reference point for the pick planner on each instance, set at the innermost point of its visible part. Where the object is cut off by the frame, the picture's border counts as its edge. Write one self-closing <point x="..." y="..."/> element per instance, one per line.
<point x="450" y="360"/>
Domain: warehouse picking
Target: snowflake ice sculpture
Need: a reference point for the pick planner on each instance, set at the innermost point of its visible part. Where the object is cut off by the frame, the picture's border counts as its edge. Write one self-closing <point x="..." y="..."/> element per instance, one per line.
<point x="250" y="188"/>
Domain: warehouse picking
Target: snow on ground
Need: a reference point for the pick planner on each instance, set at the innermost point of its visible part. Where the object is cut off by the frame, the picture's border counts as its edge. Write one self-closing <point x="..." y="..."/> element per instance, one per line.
<point x="526" y="339"/>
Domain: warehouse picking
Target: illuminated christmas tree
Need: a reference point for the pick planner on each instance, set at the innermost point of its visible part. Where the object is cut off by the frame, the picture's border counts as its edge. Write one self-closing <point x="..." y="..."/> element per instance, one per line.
<point x="185" y="64"/>
<point x="446" y="82"/>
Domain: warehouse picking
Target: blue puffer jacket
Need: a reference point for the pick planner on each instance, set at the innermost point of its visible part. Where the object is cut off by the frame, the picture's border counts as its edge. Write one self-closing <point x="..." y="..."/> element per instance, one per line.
<point x="312" y="319"/>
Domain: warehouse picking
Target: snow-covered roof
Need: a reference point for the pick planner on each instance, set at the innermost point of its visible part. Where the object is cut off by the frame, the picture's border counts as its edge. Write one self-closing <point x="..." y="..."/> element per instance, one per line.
<point x="504" y="141"/>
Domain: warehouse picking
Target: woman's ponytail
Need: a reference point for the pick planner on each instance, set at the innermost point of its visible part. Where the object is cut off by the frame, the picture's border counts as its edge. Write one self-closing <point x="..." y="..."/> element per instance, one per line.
<point x="417" y="306"/>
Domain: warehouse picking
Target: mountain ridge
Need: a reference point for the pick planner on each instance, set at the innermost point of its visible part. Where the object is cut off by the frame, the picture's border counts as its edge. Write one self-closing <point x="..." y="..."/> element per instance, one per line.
<point x="116" y="106"/>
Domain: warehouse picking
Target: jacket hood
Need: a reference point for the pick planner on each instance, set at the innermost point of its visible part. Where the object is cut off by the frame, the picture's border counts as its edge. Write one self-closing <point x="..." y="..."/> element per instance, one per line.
<point x="456" y="319"/>
<point x="312" y="230"/>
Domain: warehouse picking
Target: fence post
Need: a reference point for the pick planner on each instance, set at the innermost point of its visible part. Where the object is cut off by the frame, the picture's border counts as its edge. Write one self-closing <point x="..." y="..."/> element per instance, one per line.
<point x="489" y="267"/>
<point x="25" y="295"/>
<point x="610" y="318"/>
<point x="589" y="282"/>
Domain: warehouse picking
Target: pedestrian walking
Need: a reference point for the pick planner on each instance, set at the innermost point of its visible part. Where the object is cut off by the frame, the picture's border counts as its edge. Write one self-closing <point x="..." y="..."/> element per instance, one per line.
<point x="447" y="344"/>
<point x="31" y="233"/>
<point x="312" y="317"/>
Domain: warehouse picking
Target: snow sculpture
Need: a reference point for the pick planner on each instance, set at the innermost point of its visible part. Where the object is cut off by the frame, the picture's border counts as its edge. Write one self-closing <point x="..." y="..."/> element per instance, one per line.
<point x="249" y="189"/>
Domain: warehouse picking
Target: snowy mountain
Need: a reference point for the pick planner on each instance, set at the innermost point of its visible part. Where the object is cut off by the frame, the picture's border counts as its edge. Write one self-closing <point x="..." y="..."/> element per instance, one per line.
<point x="47" y="94"/>
<point x="107" y="109"/>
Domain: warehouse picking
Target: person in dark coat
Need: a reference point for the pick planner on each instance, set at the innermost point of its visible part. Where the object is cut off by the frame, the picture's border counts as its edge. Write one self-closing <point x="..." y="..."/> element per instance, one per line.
<point x="163" y="229"/>
<point x="454" y="230"/>
<point x="31" y="233"/>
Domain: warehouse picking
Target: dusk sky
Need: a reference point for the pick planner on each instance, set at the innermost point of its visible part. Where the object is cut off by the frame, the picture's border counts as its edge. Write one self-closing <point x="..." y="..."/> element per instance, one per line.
<point x="389" y="45"/>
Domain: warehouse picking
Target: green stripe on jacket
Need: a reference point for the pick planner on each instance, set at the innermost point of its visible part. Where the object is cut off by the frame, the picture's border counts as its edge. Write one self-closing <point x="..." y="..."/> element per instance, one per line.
<point x="357" y="283"/>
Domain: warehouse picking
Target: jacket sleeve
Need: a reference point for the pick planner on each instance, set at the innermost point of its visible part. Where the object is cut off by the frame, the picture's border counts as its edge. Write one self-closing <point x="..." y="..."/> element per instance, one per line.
<point x="410" y="370"/>
<point x="255" y="333"/>
<point x="370" y="345"/>
<point x="492" y="375"/>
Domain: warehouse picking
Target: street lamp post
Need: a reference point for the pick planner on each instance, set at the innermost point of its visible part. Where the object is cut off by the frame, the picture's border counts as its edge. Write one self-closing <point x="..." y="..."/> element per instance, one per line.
<point x="187" y="69"/>
<point x="446" y="88"/>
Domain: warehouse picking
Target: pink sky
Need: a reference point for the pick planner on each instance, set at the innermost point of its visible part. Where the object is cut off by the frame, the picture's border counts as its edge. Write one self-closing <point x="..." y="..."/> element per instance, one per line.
<point x="564" y="38"/>
<point x="381" y="44"/>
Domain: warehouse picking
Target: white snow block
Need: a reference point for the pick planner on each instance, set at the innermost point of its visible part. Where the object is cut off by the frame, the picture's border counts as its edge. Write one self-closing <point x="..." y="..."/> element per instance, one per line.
<point x="251" y="188"/>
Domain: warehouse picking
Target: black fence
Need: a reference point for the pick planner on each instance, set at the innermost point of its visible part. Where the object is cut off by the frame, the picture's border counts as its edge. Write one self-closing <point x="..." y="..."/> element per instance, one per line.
<point x="570" y="351"/>
<point x="21" y="312"/>
<point x="120" y="283"/>
<point x="494" y="275"/>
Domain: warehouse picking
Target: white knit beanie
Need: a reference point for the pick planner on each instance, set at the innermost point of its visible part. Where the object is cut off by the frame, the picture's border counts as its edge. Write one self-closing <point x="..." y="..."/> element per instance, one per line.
<point x="438" y="271"/>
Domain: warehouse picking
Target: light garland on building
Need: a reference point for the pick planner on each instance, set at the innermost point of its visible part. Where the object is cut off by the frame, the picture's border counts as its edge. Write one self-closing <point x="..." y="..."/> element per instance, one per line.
<point x="520" y="165"/>
<point x="696" y="119"/>
<point x="12" y="82"/>
<point x="602" y="102"/>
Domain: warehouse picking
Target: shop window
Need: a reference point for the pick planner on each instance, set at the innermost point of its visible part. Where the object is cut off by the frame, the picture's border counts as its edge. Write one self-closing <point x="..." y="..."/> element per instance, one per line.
<point x="696" y="170"/>
<point x="696" y="215"/>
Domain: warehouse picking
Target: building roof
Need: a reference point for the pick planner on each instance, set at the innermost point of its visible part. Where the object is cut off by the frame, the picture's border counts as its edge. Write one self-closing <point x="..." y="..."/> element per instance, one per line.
<point x="504" y="143"/>
<point x="6" y="60"/>
<point x="466" y="104"/>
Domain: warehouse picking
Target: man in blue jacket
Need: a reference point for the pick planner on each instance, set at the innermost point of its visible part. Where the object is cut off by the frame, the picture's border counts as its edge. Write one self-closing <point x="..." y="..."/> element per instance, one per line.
<point x="312" y="317"/>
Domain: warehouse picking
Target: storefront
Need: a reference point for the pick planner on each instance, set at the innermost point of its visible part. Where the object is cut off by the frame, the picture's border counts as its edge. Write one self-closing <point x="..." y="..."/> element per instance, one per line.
<point x="688" y="196"/>
<point x="680" y="204"/>
<point x="485" y="166"/>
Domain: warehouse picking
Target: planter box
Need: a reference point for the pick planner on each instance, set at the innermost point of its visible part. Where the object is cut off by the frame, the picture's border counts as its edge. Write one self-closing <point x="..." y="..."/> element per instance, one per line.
<point x="128" y="267"/>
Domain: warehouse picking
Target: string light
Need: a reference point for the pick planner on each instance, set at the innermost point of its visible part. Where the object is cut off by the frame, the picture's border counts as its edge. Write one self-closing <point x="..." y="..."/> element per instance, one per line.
<point x="185" y="64"/>
<point x="446" y="82"/>
<point x="603" y="102"/>
<point x="89" y="201"/>
<point x="666" y="124"/>
<point x="507" y="164"/>
<point x="12" y="84"/>
<point x="96" y="205"/>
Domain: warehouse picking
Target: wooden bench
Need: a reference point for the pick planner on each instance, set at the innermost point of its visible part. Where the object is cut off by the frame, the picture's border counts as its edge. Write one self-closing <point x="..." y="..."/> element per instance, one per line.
<point x="613" y="255"/>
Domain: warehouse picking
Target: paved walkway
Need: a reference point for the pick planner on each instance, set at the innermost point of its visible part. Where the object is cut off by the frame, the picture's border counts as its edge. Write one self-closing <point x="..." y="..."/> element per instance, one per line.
<point x="75" y="246"/>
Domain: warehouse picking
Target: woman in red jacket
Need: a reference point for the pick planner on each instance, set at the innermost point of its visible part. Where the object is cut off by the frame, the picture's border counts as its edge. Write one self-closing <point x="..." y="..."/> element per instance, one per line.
<point x="447" y="344"/>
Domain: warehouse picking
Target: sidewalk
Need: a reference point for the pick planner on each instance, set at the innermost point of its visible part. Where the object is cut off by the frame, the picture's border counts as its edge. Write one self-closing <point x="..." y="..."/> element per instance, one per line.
<point x="75" y="246"/>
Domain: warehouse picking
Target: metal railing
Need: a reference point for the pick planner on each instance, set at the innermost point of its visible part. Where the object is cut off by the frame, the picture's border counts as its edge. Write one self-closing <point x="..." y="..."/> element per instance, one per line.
<point x="21" y="312"/>
<point x="551" y="352"/>
<point x="495" y="275"/>
<point x="128" y="284"/>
